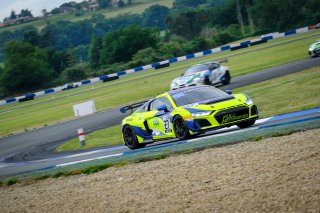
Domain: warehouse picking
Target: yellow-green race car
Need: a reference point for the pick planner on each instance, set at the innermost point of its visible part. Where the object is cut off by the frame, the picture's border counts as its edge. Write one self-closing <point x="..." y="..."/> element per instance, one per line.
<point x="185" y="112"/>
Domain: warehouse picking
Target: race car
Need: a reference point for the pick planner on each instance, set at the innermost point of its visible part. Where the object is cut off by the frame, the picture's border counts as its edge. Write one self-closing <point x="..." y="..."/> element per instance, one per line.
<point x="209" y="73"/>
<point x="186" y="112"/>
<point x="314" y="49"/>
<point x="69" y="86"/>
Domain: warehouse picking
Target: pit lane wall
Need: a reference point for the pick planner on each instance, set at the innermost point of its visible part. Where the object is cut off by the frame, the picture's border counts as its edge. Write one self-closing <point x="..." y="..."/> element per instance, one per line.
<point x="244" y="44"/>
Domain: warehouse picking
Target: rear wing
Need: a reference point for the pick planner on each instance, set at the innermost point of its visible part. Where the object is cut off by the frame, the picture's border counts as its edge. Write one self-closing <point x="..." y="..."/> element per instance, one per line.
<point x="132" y="106"/>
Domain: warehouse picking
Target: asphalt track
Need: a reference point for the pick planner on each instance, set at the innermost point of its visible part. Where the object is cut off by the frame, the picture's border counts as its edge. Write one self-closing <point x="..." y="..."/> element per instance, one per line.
<point x="10" y="169"/>
<point x="39" y="144"/>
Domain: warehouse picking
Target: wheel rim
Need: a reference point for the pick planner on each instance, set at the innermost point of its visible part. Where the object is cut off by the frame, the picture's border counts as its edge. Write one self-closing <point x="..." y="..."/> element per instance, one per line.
<point x="129" y="135"/>
<point x="180" y="128"/>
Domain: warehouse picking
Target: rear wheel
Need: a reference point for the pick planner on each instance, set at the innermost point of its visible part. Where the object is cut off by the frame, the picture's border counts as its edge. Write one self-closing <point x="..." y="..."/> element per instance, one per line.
<point x="130" y="137"/>
<point x="180" y="128"/>
<point x="246" y="124"/>
<point x="227" y="78"/>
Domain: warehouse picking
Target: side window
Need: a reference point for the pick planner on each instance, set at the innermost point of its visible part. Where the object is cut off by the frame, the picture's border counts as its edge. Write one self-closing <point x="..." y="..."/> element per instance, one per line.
<point x="154" y="105"/>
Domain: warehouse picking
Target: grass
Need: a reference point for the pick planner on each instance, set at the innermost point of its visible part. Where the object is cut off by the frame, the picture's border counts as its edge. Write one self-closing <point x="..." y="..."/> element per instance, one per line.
<point x="120" y="91"/>
<point x="105" y="137"/>
<point x="137" y="7"/>
<point x="285" y="94"/>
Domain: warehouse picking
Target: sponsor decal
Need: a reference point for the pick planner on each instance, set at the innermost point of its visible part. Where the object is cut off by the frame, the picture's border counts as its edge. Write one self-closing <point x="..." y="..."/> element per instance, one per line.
<point x="156" y="122"/>
<point x="156" y="132"/>
<point x="190" y="105"/>
<point x="233" y="117"/>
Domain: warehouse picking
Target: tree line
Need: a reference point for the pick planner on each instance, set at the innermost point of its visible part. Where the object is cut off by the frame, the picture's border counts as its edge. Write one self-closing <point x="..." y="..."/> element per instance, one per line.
<point x="70" y="51"/>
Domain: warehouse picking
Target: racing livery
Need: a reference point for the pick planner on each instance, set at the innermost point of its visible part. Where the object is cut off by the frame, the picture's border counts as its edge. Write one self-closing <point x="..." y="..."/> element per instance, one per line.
<point x="184" y="112"/>
<point x="314" y="49"/>
<point x="209" y="73"/>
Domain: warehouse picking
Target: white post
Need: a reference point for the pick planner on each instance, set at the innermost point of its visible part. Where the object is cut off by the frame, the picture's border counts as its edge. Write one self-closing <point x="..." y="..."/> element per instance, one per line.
<point x="81" y="137"/>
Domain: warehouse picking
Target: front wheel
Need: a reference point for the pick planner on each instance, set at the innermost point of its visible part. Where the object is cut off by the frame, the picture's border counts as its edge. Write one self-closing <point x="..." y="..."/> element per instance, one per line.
<point x="130" y="137"/>
<point x="246" y="124"/>
<point x="227" y="78"/>
<point x="180" y="128"/>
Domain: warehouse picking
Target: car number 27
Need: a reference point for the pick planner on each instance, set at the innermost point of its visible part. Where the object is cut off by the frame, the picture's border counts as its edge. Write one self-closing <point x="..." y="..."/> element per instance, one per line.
<point x="166" y="122"/>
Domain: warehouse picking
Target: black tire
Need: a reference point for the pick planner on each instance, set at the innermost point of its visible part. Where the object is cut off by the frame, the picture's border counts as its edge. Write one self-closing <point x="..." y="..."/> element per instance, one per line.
<point x="246" y="124"/>
<point x="130" y="137"/>
<point x="227" y="78"/>
<point x="207" y="80"/>
<point x="180" y="128"/>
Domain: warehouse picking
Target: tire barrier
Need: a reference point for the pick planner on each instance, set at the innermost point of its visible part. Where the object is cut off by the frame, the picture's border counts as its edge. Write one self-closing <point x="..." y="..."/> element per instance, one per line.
<point x="165" y="63"/>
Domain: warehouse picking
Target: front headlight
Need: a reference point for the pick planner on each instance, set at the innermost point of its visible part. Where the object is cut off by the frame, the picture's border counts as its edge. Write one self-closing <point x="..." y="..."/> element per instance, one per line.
<point x="249" y="101"/>
<point x="200" y="114"/>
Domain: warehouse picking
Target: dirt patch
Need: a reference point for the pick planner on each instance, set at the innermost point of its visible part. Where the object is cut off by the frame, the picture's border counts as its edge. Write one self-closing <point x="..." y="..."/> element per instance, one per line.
<point x="274" y="175"/>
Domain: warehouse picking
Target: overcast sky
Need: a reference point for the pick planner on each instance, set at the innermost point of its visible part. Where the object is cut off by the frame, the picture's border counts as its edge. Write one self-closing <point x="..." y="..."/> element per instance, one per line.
<point x="34" y="5"/>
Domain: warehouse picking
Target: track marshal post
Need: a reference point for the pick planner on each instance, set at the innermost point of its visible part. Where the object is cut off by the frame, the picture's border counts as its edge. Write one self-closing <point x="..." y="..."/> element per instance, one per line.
<point x="81" y="137"/>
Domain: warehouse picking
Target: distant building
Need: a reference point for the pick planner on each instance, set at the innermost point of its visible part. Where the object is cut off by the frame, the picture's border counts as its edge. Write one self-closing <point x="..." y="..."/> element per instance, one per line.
<point x="2" y="24"/>
<point x="93" y="5"/>
<point x="17" y="20"/>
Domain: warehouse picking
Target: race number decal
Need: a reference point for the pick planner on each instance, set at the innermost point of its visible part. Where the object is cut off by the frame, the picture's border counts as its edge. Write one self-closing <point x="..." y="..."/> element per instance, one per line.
<point x="166" y="122"/>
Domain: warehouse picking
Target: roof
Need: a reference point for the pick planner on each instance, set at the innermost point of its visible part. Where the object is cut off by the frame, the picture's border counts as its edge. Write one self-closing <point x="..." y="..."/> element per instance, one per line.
<point x="172" y="92"/>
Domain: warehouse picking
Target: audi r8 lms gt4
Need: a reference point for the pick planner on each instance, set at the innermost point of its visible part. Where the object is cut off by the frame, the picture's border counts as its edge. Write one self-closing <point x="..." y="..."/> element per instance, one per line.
<point x="185" y="112"/>
<point x="209" y="73"/>
<point x="314" y="49"/>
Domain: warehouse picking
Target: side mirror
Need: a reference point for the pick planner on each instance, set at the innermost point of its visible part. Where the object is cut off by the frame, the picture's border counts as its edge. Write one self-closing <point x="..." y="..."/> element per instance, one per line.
<point x="229" y="92"/>
<point x="163" y="108"/>
<point x="182" y="74"/>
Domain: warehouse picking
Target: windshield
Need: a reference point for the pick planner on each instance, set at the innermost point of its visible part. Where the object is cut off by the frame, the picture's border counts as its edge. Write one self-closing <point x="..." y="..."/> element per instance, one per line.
<point x="196" y="69"/>
<point x="199" y="95"/>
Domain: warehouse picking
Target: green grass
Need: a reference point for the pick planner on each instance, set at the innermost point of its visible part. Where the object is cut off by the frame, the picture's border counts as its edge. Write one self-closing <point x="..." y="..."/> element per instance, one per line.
<point x="285" y="94"/>
<point x="299" y="91"/>
<point x="105" y="137"/>
<point x="121" y="91"/>
<point x="137" y="7"/>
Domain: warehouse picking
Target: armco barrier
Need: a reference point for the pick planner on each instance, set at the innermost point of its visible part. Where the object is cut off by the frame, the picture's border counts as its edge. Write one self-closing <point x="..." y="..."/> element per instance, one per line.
<point x="166" y="62"/>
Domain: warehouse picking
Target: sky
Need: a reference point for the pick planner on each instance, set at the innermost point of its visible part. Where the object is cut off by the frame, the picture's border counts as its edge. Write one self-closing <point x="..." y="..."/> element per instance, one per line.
<point x="35" y="6"/>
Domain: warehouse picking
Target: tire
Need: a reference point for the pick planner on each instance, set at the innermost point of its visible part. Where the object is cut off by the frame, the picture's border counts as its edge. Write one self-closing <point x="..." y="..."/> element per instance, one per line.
<point x="246" y="124"/>
<point x="180" y="128"/>
<point x="130" y="137"/>
<point x="227" y="78"/>
<point x="207" y="80"/>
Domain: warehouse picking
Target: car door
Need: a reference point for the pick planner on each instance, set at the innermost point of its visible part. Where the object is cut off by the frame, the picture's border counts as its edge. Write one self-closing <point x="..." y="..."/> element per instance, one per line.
<point x="213" y="72"/>
<point x="160" y="121"/>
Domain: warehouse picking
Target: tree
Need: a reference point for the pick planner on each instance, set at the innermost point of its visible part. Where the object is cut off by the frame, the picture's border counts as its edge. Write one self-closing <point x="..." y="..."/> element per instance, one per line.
<point x="26" y="68"/>
<point x="104" y="3"/>
<point x="75" y="73"/>
<point x="25" y="12"/>
<point x="13" y="15"/>
<point x="121" y="3"/>
<point x="94" y="51"/>
<point x="155" y="16"/>
<point x="121" y="45"/>
<point x="188" y="24"/>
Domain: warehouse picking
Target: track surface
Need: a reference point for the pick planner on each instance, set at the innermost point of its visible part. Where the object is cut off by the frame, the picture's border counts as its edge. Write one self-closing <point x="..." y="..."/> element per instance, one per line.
<point x="9" y="169"/>
<point x="39" y="144"/>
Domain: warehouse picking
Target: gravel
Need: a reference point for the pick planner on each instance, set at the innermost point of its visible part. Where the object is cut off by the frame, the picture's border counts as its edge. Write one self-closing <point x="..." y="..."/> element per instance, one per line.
<point x="280" y="174"/>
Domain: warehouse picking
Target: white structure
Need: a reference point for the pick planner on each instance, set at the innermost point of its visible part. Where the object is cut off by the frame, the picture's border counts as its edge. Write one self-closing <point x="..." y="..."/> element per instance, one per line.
<point x="85" y="108"/>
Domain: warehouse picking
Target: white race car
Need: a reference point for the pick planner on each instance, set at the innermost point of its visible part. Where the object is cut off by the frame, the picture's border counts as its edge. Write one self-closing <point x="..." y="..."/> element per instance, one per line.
<point x="209" y="73"/>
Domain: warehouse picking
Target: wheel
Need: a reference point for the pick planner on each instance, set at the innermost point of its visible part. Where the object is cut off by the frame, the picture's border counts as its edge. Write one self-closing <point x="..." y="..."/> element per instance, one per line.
<point x="246" y="124"/>
<point x="207" y="80"/>
<point x="227" y="78"/>
<point x="180" y="128"/>
<point x="130" y="137"/>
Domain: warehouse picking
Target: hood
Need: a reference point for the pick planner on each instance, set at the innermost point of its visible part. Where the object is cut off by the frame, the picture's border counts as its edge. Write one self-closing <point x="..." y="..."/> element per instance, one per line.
<point x="189" y="79"/>
<point x="215" y="104"/>
<point x="314" y="46"/>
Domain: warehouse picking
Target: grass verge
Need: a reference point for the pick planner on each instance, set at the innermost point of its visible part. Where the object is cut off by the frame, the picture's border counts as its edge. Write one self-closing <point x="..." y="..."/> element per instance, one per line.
<point x="298" y="91"/>
<point x="147" y="84"/>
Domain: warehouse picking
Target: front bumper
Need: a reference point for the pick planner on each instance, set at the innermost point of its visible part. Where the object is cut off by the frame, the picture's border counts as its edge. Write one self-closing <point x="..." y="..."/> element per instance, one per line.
<point x="223" y="118"/>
